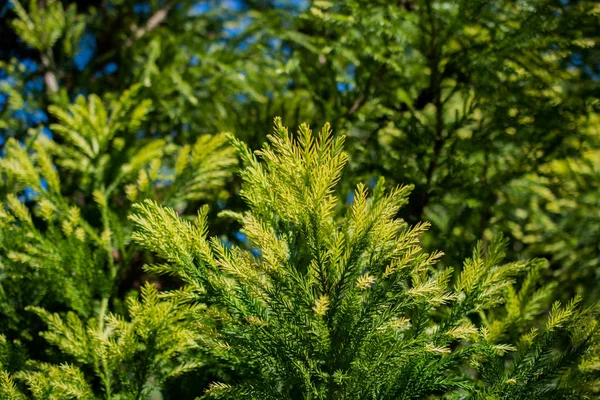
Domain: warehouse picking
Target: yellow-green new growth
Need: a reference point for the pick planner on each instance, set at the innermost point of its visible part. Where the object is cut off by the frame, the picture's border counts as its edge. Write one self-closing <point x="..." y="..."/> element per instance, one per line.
<point x="333" y="303"/>
<point x="129" y="358"/>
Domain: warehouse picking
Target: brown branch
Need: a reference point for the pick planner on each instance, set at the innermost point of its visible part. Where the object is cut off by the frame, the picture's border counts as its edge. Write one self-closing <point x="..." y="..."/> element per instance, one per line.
<point x="359" y="102"/>
<point x="155" y="20"/>
<point x="49" y="75"/>
<point x="47" y="59"/>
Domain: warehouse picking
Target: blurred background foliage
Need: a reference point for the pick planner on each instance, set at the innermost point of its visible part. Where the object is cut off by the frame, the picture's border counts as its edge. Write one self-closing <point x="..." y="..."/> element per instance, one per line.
<point x="489" y="108"/>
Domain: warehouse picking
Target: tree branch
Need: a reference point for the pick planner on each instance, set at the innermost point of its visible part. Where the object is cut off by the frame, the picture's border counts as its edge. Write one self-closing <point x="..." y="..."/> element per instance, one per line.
<point x="155" y="20"/>
<point x="360" y="101"/>
<point x="49" y="76"/>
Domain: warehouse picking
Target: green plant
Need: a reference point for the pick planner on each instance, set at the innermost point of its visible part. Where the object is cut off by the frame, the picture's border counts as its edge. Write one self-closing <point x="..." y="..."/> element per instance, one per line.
<point x="348" y="306"/>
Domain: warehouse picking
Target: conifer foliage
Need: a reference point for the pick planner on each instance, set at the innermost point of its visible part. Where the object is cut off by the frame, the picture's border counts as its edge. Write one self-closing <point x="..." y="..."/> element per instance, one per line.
<point x="134" y="265"/>
<point x="128" y="358"/>
<point x="346" y="305"/>
<point x="67" y="253"/>
<point x="70" y="261"/>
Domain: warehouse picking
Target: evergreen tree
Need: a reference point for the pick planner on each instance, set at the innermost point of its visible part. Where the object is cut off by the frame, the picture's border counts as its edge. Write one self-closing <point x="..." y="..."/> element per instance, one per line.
<point x="488" y="111"/>
<point x="348" y="306"/>
<point x="480" y="105"/>
<point x="125" y="359"/>
<point x="65" y="247"/>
